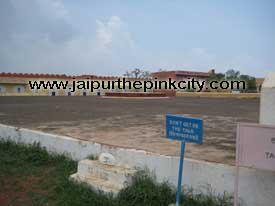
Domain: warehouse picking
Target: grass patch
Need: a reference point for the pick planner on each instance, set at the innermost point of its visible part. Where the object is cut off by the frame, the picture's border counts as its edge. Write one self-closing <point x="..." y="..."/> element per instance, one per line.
<point x="29" y="175"/>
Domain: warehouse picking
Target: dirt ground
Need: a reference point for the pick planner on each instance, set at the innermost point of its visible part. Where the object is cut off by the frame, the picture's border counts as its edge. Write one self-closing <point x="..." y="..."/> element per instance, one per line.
<point x="134" y="123"/>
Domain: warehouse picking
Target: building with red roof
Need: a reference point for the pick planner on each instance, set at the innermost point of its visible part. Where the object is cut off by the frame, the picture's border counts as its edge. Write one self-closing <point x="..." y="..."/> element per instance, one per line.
<point x="19" y="83"/>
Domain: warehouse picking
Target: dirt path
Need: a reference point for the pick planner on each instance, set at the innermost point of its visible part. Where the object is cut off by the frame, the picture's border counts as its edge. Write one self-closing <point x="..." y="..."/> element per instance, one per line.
<point x="133" y="123"/>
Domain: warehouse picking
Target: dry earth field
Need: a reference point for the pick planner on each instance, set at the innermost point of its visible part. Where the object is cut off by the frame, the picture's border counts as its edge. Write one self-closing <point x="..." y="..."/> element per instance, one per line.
<point x="134" y="123"/>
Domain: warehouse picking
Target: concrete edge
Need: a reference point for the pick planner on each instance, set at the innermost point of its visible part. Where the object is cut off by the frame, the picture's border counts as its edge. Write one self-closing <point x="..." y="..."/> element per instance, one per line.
<point x="256" y="187"/>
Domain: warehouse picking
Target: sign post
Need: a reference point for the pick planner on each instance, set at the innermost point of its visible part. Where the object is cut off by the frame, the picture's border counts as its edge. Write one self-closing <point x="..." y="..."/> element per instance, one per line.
<point x="184" y="129"/>
<point x="255" y="148"/>
<point x="182" y="150"/>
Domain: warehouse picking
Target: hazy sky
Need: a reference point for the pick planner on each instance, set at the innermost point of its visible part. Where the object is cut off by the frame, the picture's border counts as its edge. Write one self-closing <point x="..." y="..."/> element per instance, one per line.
<point x="108" y="37"/>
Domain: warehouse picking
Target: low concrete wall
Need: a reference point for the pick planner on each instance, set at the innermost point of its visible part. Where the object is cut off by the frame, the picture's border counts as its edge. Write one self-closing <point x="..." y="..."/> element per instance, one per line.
<point x="267" y="106"/>
<point x="219" y="95"/>
<point x="255" y="188"/>
<point x="135" y="94"/>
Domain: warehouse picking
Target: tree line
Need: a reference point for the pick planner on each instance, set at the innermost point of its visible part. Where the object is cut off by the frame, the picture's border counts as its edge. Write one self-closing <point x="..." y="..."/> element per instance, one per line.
<point x="229" y="75"/>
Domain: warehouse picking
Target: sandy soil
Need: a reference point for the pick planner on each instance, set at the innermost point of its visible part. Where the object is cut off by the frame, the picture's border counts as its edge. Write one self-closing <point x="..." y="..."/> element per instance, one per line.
<point x="133" y="123"/>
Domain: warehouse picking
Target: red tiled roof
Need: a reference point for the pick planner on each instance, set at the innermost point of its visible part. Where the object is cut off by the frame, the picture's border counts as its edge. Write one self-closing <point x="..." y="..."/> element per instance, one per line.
<point x="59" y="76"/>
<point x="34" y="75"/>
<point x="181" y="73"/>
<point x="190" y="73"/>
<point x="162" y="74"/>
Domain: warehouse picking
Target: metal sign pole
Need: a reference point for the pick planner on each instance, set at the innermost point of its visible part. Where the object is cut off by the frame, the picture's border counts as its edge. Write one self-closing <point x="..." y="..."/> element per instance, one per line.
<point x="184" y="129"/>
<point x="180" y="172"/>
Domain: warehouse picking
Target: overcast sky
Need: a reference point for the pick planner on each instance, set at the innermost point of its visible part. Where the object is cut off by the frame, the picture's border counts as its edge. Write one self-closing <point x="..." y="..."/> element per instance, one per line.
<point x="109" y="37"/>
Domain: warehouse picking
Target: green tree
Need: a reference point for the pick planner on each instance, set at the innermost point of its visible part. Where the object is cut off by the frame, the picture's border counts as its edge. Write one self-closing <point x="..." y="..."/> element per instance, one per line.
<point x="250" y="82"/>
<point x="137" y="73"/>
<point x="216" y="76"/>
<point x="232" y="74"/>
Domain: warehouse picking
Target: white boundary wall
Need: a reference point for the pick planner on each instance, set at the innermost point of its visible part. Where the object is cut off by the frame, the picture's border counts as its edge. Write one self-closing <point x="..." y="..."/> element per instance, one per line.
<point x="267" y="106"/>
<point x="256" y="188"/>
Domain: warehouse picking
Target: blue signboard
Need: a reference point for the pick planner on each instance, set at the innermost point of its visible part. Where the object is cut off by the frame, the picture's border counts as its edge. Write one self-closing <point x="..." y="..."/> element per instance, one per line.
<point x="185" y="129"/>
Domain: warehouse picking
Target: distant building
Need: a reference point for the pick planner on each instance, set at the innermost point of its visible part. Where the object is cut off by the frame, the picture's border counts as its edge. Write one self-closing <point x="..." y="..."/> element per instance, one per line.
<point x="181" y="75"/>
<point x="18" y="83"/>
